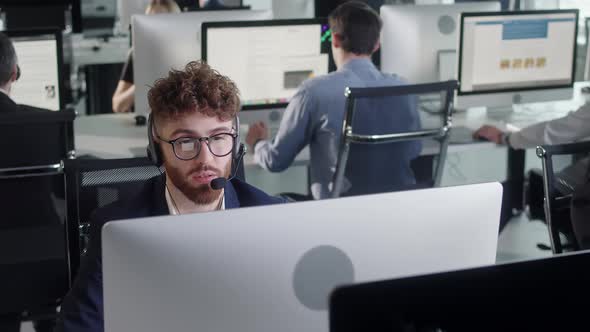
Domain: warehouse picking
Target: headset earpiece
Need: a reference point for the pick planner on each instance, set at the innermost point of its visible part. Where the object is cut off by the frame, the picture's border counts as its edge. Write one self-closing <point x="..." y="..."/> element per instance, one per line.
<point x="153" y="149"/>
<point x="237" y="145"/>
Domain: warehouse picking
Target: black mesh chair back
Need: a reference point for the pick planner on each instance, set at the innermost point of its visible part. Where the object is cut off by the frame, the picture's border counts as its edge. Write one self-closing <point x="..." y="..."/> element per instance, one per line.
<point x="34" y="249"/>
<point x="94" y="183"/>
<point x="558" y="186"/>
<point x="381" y="143"/>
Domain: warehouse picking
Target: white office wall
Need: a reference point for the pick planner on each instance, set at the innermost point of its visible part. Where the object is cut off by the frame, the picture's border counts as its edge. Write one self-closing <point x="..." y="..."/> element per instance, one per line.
<point x="540" y="4"/>
<point x="284" y="9"/>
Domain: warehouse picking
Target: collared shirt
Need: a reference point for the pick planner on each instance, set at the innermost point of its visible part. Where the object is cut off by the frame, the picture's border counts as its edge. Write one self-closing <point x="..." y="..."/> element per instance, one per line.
<point x="568" y="129"/>
<point x="314" y="117"/>
<point x="172" y="207"/>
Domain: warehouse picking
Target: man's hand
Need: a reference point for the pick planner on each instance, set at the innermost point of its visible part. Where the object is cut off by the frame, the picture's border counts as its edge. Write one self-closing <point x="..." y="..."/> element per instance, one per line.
<point x="490" y="133"/>
<point x="258" y="131"/>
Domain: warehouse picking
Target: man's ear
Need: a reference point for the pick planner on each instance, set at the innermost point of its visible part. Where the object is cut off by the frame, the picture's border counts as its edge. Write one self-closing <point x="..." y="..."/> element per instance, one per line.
<point x="336" y="40"/>
<point x="154" y="133"/>
<point x="14" y="74"/>
<point x="377" y="46"/>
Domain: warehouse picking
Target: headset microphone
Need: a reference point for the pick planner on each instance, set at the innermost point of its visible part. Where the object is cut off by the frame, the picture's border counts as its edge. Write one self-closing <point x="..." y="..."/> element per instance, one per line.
<point x="219" y="183"/>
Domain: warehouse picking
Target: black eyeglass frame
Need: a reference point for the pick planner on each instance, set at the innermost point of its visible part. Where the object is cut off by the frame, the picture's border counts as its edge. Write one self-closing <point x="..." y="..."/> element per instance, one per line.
<point x="198" y="141"/>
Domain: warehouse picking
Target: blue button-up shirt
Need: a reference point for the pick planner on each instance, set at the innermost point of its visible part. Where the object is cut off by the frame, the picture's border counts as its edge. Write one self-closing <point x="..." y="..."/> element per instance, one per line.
<point x="314" y="117"/>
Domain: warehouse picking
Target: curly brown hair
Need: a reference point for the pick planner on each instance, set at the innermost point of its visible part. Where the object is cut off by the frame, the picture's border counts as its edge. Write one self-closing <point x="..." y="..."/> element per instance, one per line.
<point x="197" y="88"/>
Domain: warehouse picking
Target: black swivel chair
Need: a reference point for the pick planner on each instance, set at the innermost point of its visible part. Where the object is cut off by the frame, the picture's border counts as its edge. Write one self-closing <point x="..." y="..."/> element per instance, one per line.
<point x="366" y="152"/>
<point x="34" y="251"/>
<point x="558" y="188"/>
<point x="94" y="183"/>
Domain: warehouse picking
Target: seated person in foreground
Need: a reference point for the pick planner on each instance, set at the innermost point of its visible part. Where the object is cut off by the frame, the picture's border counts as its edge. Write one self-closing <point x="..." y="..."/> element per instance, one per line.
<point x="193" y="127"/>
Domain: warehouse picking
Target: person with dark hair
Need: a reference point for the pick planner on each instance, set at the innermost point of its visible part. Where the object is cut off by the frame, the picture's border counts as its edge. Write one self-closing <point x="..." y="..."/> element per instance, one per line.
<point x="194" y="137"/>
<point x="314" y="115"/>
<point x="9" y="73"/>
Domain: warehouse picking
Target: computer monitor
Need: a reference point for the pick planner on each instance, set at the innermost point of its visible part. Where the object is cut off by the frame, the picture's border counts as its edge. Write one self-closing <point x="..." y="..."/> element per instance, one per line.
<point x="165" y="41"/>
<point x="536" y="295"/>
<point x="40" y="58"/>
<point x="419" y="42"/>
<point x="275" y="56"/>
<point x="272" y="268"/>
<point x="508" y="58"/>
<point x="125" y="11"/>
<point x="506" y="4"/>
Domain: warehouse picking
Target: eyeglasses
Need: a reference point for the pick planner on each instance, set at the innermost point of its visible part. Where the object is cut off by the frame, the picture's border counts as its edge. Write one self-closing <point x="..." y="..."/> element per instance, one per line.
<point x="187" y="148"/>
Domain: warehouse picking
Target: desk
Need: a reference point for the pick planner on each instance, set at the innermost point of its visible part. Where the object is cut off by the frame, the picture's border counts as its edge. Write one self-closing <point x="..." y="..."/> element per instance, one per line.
<point x="116" y="136"/>
<point x="110" y="136"/>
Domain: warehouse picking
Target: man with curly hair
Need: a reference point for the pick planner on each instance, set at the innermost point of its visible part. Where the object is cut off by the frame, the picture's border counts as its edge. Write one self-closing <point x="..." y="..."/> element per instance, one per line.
<point x="193" y="132"/>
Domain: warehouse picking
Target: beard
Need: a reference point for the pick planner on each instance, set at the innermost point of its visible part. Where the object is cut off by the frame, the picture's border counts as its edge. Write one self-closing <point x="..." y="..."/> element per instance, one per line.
<point x="200" y="194"/>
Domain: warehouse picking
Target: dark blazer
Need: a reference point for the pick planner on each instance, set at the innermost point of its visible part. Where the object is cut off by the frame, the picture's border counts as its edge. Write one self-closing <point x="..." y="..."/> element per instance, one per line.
<point x="8" y="105"/>
<point x="82" y="309"/>
<point x="25" y="189"/>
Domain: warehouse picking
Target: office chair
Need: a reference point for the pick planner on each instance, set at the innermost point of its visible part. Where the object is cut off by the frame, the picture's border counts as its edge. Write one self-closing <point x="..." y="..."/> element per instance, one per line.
<point x="34" y="249"/>
<point x="94" y="183"/>
<point x="367" y="153"/>
<point x="558" y="188"/>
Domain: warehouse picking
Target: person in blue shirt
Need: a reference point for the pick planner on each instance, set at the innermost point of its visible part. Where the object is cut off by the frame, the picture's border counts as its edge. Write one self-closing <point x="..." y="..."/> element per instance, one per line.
<point x="315" y="113"/>
<point x="194" y="138"/>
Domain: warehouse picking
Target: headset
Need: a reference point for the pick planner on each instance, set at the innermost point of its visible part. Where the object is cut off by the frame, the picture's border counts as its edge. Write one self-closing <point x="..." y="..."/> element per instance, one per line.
<point x="238" y="151"/>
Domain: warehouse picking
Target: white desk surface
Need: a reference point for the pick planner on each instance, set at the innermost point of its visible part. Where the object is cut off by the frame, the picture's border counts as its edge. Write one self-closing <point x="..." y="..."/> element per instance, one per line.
<point x="117" y="136"/>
